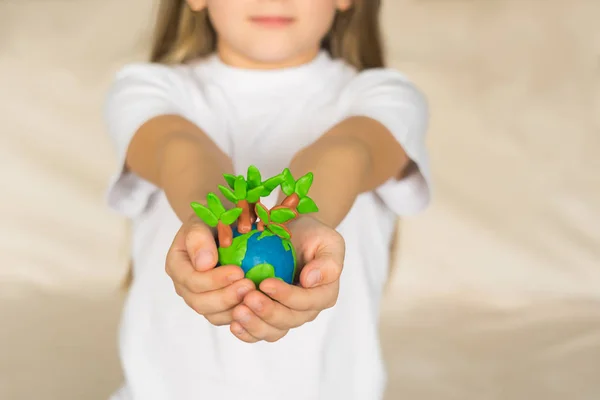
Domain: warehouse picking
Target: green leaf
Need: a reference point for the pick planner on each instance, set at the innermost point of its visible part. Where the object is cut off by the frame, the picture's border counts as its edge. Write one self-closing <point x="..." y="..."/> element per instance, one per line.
<point x="279" y="230"/>
<point x="262" y="213"/>
<point x="230" y="179"/>
<point x="229" y="195"/>
<point x="229" y="217"/>
<point x="215" y="205"/>
<point x="282" y="215"/>
<point x="254" y="178"/>
<point x="307" y="205"/>
<point x="255" y="194"/>
<point x="287" y="188"/>
<point x="288" y="177"/>
<point x="272" y="184"/>
<point x="303" y="185"/>
<point x="205" y="214"/>
<point x="241" y="188"/>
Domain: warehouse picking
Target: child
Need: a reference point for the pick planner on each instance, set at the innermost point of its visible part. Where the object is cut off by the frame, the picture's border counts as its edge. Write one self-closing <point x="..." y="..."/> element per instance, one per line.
<point x="276" y="84"/>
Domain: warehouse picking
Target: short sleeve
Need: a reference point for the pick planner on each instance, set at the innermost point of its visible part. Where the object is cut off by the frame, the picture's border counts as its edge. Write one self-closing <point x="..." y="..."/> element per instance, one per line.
<point x="139" y="93"/>
<point x="388" y="97"/>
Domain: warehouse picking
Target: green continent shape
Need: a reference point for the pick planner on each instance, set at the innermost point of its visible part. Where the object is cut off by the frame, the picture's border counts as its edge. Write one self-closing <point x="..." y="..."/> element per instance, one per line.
<point x="288" y="246"/>
<point x="260" y="272"/>
<point x="234" y="254"/>
<point x="265" y="234"/>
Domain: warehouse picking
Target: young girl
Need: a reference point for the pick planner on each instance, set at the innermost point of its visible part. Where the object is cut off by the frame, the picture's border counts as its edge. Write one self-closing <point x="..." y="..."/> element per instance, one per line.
<point x="276" y="84"/>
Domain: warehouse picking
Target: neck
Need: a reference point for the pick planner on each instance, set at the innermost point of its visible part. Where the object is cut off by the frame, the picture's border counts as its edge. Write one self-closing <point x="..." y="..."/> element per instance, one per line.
<point x="238" y="60"/>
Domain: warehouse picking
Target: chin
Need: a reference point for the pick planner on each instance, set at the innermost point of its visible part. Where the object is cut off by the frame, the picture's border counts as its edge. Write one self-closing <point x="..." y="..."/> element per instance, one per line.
<point x="264" y="56"/>
<point x="275" y="54"/>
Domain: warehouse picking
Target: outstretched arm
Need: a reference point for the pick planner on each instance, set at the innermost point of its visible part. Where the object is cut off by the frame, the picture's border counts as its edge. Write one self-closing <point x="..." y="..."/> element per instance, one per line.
<point x="355" y="156"/>
<point x="177" y="156"/>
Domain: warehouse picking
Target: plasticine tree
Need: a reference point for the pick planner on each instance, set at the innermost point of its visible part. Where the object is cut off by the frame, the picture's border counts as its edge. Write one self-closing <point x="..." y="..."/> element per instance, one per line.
<point x="252" y="236"/>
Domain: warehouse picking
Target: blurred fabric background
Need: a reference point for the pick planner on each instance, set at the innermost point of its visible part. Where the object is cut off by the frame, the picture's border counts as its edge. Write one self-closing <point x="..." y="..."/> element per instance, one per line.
<point x="496" y="290"/>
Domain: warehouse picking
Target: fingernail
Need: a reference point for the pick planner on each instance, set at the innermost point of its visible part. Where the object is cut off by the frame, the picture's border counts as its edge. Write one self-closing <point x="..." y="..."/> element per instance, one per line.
<point x="243" y="291"/>
<point x="234" y="277"/>
<point x="313" y="277"/>
<point x="203" y="258"/>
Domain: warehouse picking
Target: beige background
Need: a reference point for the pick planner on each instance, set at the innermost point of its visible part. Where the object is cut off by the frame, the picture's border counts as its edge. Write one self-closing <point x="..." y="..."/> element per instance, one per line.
<point x="496" y="293"/>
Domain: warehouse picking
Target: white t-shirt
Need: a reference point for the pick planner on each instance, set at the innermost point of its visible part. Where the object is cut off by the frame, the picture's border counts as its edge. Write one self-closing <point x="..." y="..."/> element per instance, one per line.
<point x="263" y="118"/>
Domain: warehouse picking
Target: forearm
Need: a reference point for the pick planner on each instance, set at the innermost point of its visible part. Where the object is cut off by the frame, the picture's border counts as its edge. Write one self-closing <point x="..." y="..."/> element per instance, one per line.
<point x="189" y="170"/>
<point x="179" y="158"/>
<point x="354" y="157"/>
<point x="340" y="168"/>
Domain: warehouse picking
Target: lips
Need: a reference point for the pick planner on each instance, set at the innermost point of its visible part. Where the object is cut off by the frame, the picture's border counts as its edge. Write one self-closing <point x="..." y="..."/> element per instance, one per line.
<point x="272" y="21"/>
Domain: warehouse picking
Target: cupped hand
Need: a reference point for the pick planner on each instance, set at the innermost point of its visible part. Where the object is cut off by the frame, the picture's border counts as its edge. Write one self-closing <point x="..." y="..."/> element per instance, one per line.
<point x="191" y="260"/>
<point x="270" y="313"/>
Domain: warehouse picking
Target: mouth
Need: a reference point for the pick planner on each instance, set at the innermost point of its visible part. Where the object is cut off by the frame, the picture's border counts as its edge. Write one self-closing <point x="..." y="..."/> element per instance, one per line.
<point x="272" y="22"/>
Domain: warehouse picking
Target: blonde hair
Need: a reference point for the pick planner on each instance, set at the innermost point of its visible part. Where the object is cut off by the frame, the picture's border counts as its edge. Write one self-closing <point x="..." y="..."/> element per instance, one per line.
<point x="183" y="34"/>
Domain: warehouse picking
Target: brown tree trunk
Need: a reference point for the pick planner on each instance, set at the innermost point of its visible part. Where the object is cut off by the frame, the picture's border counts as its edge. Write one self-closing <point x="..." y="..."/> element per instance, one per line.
<point x="253" y="216"/>
<point x="260" y="226"/>
<point x="225" y="235"/>
<point x="244" y="221"/>
<point x="291" y="201"/>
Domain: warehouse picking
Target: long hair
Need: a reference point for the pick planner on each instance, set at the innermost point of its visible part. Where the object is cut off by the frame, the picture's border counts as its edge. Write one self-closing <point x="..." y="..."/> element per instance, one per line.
<point x="183" y="34"/>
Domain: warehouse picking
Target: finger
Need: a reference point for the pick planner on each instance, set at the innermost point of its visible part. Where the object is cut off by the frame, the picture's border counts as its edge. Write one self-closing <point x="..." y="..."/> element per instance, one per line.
<point x="182" y="273"/>
<point x="299" y="298"/>
<point x="238" y="330"/>
<point x="275" y="313"/>
<point x="201" y="247"/>
<point x="219" y="300"/>
<point x="220" y="319"/>
<point x="256" y="326"/>
<point x="324" y="269"/>
<point x="177" y="257"/>
<point x="218" y="278"/>
<point x="178" y="265"/>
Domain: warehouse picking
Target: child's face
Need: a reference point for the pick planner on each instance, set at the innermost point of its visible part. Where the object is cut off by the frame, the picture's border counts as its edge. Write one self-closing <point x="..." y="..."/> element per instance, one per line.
<point x="270" y="33"/>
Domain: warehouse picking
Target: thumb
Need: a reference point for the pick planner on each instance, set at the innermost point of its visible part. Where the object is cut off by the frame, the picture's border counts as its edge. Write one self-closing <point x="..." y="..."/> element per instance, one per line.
<point x="201" y="246"/>
<point x="324" y="269"/>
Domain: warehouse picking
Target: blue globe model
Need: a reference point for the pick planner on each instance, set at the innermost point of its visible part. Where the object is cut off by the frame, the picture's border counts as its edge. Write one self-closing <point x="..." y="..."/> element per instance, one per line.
<point x="261" y="255"/>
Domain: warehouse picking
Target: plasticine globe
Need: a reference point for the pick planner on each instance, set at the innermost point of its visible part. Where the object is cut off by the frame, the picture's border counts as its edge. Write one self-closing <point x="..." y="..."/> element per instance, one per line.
<point x="261" y="255"/>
